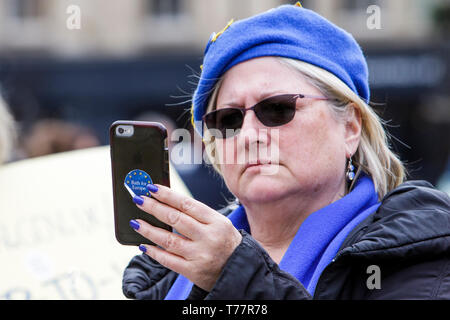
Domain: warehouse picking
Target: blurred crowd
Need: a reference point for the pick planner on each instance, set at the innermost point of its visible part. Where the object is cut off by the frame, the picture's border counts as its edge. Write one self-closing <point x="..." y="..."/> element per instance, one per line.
<point x="46" y="136"/>
<point x="7" y="132"/>
<point x="49" y="136"/>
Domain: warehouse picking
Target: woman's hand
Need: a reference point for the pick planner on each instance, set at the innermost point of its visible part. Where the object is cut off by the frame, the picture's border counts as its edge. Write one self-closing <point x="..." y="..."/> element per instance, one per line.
<point x="208" y="238"/>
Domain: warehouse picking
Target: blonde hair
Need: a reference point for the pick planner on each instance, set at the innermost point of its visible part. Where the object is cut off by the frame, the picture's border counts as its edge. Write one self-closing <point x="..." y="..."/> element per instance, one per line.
<point x="373" y="155"/>
<point x="7" y="133"/>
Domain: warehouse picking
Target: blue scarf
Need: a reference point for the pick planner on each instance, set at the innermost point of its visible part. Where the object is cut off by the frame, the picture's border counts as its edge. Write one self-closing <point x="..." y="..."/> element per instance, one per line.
<point x="317" y="240"/>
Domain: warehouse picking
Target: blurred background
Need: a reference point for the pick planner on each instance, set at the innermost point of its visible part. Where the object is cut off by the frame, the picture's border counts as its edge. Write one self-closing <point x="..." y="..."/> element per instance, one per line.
<point x="69" y="68"/>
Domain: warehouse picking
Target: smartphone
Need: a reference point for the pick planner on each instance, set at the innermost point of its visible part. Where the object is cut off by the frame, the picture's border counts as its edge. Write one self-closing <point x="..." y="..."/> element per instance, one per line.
<point x="139" y="155"/>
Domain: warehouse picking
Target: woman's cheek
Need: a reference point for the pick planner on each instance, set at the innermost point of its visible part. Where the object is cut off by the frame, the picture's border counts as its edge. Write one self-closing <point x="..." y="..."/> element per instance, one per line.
<point x="231" y="177"/>
<point x="225" y="151"/>
<point x="301" y="150"/>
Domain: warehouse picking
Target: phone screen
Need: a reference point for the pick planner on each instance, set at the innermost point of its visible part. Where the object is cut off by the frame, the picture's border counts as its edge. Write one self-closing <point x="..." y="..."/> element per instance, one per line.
<point x="138" y="157"/>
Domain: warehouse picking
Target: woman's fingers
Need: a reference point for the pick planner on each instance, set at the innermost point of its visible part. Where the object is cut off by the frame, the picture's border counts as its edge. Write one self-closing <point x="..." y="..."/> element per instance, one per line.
<point x="167" y="259"/>
<point x="183" y="223"/>
<point x="210" y="237"/>
<point x="196" y="209"/>
<point x="170" y="241"/>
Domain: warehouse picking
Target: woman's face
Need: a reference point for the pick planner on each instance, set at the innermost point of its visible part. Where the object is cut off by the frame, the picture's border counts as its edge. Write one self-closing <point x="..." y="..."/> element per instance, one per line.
<point x="312" y="148"/>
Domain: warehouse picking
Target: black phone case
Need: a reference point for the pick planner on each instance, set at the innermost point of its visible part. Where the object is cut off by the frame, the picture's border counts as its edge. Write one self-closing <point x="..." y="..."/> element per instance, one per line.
<point x="145" y="150"/>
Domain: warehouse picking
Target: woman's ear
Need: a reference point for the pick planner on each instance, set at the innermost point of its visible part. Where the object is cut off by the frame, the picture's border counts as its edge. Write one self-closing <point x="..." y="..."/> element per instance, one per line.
<point x="353" y="124"/>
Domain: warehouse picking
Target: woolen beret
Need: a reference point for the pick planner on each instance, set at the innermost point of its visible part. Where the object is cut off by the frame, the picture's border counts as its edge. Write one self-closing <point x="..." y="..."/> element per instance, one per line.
<point x="289" y="31"/>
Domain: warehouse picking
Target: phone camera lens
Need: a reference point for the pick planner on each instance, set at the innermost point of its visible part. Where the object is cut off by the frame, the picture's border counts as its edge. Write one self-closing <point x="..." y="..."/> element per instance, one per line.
<point x="121" y="130"/>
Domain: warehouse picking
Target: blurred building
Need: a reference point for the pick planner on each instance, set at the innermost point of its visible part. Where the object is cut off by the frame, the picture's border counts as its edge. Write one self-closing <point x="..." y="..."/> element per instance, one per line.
<point x="116" y="27"/>
<point x="95" y="61"/>
<point x="137" y="52"/>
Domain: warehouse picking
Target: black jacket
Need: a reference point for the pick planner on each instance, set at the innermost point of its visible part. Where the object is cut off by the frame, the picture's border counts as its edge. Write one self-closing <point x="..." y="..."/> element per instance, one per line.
<point x="406" y="242"/>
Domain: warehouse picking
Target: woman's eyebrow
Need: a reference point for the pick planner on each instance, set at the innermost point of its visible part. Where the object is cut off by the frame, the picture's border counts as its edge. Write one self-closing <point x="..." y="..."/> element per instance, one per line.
<point x="261" y="97"/>
<point x="230" y="104"/>
<point x="269" y="94"/>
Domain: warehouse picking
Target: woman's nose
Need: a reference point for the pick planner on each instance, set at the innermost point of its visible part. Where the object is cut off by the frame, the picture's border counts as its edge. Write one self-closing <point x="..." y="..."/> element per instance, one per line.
<point x="250" y="121"/>
<point x="252" y="130"/>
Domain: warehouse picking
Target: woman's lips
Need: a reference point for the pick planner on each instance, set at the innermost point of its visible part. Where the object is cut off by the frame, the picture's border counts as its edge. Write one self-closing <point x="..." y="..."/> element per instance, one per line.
<point x="258" y="163"/>
<point x="265" y="168"/>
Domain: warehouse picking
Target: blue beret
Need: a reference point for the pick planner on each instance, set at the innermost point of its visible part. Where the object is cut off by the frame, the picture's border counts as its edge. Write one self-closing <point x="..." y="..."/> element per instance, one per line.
<point x="287" y="31"/>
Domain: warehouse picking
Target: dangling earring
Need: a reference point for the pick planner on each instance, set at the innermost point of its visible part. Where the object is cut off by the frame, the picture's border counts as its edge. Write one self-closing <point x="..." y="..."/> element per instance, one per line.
<point x="350" y="170"/>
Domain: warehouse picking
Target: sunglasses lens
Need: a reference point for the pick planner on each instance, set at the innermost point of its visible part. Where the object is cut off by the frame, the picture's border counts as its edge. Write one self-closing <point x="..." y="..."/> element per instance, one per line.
<point x="224" y="119"/>
<point x="276" y="111"/>
<point x="272" y="112"/>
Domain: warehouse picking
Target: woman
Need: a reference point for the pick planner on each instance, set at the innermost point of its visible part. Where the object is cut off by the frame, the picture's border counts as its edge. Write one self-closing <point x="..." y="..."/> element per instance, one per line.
<point x="324" y="216"/>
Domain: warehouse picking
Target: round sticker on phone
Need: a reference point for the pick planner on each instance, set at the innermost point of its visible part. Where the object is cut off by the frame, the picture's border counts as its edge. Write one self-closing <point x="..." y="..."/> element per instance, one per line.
<point x="136" y="182"/>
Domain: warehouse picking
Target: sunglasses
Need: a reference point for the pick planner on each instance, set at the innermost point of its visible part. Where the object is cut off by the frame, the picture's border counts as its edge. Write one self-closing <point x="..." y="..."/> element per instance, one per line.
<point x="271" y="112"/>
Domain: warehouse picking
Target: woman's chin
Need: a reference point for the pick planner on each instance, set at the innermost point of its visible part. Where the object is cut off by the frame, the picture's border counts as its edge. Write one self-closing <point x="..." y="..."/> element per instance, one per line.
<point x="263" y="188"/>
<point x="261" y="195"/>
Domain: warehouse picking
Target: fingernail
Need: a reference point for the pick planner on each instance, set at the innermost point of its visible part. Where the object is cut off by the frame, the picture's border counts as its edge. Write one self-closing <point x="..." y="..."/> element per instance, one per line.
<point x="134" y="224"/>
<point x="138" y="200"/>
<point x="142" y="248"/>
<point x="152" y="188"/>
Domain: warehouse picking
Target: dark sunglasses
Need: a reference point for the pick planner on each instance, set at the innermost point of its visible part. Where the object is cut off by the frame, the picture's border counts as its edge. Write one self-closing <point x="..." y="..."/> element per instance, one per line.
<point x="271" y="112"/>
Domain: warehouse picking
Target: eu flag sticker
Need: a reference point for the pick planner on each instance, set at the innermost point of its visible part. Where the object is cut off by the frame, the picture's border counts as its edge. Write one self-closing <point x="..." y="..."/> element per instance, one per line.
<point x="136" y="182"/>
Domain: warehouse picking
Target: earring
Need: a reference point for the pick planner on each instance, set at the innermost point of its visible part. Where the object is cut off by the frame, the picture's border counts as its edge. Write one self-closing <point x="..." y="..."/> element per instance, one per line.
<point x="350" y="170"/>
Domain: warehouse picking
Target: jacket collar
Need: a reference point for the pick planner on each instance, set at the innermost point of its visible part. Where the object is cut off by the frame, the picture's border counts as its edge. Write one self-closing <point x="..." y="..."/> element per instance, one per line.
<point x="413" y="220"/>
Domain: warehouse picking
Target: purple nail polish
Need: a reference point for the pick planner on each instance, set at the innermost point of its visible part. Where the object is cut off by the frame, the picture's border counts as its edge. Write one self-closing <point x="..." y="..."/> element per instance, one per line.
<point x="142" y="248"/>
<point x="134" y="224"/>
<point x="152" y="188"/>
<point x="138" y="200"/>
